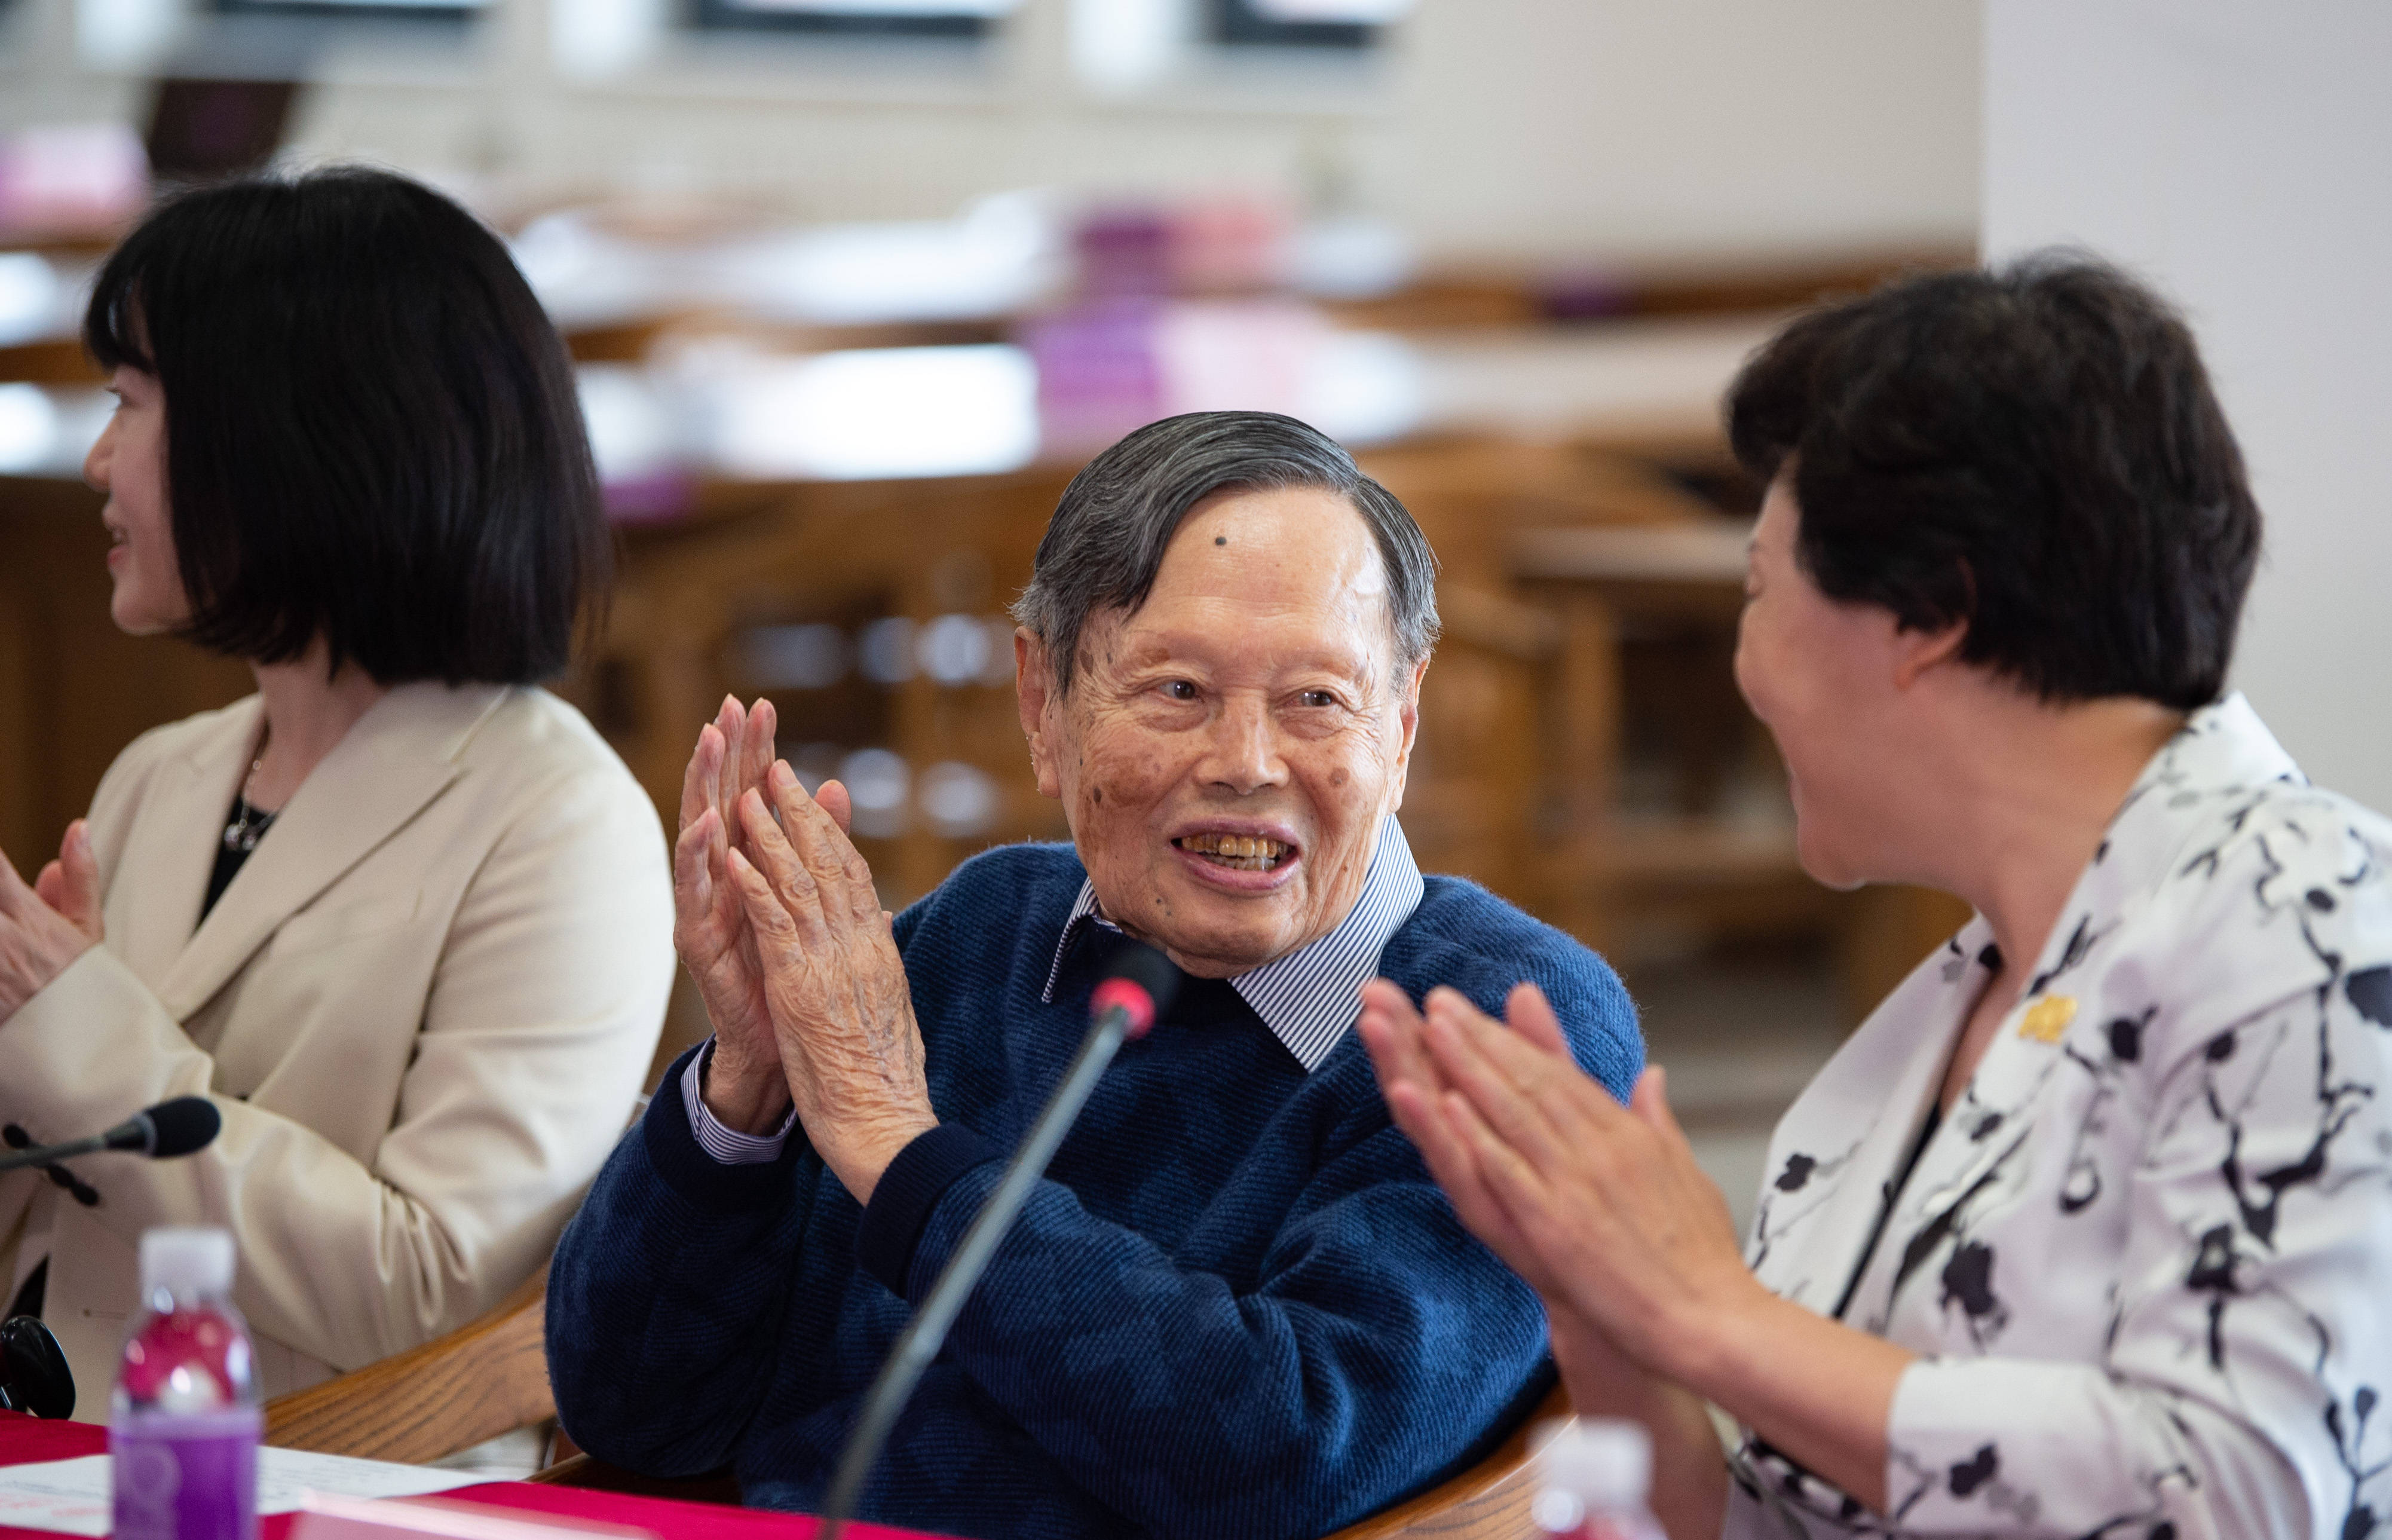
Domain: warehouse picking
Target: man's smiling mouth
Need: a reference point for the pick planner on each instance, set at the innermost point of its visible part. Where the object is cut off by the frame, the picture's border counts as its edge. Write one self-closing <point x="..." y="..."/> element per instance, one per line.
<point x="1238" y="851"/>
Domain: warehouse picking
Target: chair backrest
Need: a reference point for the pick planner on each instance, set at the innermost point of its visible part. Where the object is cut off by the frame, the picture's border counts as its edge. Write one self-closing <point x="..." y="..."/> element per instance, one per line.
<point x="488" y="1377"/>
<point x="1489" y="1501"/>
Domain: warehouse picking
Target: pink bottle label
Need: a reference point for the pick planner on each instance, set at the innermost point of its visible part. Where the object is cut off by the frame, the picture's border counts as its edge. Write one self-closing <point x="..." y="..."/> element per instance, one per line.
<point x="185" y="1477"/>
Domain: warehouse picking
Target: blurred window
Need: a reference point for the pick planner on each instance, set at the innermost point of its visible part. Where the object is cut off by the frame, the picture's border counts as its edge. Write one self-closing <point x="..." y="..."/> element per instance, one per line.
<point x="373" y="11"/>
<point x="1353" y="25"/>
<point x="965" y="19"/>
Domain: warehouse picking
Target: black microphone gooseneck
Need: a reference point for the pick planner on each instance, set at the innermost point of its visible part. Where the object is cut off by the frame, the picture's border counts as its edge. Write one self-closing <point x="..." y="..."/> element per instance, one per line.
<point x="170" y="1129"/>
<point x="1139" y="985"/>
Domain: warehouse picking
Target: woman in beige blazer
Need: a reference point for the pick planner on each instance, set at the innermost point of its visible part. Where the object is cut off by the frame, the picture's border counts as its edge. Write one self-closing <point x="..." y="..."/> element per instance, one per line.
<point x="402" y="914"/>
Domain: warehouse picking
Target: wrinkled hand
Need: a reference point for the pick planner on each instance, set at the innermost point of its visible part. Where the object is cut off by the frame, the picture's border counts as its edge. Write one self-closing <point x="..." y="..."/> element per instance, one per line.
<point x="45" y="927"/>
<point x="833" y="984"/>
<point x="743" y="1084"/>
<point x="745" y="1087"/>
<point x="1602" y="1209"/>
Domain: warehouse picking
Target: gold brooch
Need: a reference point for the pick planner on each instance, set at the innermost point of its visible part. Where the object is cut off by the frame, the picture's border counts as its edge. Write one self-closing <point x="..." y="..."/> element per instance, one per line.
<point x="2047" y="1018"/>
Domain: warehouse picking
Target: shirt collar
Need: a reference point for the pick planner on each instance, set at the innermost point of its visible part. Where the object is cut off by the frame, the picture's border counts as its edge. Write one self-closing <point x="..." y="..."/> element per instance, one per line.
<point x="1311" y="997"/>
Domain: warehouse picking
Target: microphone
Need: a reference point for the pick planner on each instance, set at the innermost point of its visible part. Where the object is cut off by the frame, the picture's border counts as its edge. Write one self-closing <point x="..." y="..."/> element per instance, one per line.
<point x="170" y="1129"/>
<point x="1139" y="985"/>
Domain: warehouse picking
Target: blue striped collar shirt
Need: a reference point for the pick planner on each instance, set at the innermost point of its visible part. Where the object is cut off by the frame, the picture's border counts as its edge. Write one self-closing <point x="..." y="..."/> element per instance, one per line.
<point x="1311" y="997"/>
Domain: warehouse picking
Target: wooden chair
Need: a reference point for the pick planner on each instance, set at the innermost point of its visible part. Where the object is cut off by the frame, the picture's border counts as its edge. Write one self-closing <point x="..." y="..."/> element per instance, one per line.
<point x="1489" y="1501"/>
<point x="587" y="1470"/>
<point x="488" y="1377"/>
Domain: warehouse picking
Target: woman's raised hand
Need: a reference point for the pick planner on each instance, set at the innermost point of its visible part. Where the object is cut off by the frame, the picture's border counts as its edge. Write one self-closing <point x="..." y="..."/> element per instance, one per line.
<point x="1395" y="1035"/>
<point x="1599" y="1207"/>
<point x="71" y="884"/>
<point x="833" y="983"/>
<point x="45" y="927"/>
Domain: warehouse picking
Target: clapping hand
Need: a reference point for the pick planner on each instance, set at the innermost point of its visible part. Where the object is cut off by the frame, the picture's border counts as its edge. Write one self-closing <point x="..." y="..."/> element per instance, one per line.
<point x="745" y="1087"/>
<point x="832" y="982"/>
<point x="1601" y="1209"/>
<point x="47" y="926"/>
<point x="1604" y="1212"/>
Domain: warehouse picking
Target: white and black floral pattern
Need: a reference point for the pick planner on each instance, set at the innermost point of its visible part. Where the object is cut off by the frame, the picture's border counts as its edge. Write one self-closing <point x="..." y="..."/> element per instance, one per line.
<point x="2147" y="1256"/>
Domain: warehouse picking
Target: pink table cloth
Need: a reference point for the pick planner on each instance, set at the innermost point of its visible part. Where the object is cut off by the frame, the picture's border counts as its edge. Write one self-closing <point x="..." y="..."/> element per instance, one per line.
<point x="24" y="1441"/>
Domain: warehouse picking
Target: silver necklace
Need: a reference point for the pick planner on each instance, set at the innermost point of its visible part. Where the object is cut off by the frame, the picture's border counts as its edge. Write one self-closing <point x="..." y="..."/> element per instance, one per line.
<point x="249" y="825"/>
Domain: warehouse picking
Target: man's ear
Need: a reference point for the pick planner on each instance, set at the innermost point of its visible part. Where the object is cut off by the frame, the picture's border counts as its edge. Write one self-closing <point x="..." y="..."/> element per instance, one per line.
<point x="1034" y="692"/>
<point x="1408" y="728"/>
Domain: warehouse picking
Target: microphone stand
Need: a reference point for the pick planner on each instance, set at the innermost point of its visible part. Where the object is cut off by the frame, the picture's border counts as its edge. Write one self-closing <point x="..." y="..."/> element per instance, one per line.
<point x="80" y="1189"/>
<point x="923" y="1336"/>
<point x="172" y="1129"/>
<point x="50" y="1155"/>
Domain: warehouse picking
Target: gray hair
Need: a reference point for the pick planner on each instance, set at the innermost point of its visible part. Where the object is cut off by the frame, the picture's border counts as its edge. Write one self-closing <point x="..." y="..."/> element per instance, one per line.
<point x="1105" y="544"/>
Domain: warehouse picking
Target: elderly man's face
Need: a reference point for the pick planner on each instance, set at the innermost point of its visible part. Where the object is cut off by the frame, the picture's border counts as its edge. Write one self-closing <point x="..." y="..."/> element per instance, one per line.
<point x="1225" y="754"/>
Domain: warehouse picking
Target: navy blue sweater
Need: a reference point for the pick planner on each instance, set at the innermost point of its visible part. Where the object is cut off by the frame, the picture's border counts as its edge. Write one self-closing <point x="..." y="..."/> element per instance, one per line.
<point x="1235" y="1307"/>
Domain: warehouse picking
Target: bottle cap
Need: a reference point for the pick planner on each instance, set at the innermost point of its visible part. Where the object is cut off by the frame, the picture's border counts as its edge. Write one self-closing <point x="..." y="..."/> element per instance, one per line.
<point x="185" y="1259"/>
<point x="1604" y="1464"/>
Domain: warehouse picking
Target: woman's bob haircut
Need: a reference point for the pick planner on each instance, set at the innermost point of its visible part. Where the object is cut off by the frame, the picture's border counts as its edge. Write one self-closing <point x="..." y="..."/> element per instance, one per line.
<point x="372" y="435"/>
<point x="2033" y="453"/>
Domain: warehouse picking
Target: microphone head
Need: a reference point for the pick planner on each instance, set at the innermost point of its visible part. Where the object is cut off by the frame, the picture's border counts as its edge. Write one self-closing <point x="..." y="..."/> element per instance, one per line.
<point x="1138" y="979"/>
<point x="181" y="1126"/>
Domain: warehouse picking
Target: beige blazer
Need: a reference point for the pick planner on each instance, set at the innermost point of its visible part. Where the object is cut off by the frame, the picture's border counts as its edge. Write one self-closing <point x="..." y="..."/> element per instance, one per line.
<point x="424" y="1006"/>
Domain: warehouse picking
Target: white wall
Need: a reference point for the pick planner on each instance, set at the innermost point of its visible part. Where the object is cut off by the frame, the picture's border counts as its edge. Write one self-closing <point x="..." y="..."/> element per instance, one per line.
<point x="1498" y="128"/>
<point x="2239" y="156"/>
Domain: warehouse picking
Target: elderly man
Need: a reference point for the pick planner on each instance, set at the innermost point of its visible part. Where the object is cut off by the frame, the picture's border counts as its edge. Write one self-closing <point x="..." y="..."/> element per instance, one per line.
<point x="1237" y="1305"/>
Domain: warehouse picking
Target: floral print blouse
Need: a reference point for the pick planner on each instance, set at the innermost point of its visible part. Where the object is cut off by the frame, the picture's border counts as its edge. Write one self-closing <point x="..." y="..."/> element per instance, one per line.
<point x="2147" y="1255"/>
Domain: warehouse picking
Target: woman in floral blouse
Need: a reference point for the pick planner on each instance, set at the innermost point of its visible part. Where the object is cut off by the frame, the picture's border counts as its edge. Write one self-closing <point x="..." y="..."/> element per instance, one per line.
<point x="2087" y="1231"/>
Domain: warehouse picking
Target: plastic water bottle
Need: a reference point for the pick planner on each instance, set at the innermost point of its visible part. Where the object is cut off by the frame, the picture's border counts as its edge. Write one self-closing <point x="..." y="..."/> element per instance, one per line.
<point x="1591" y="1481"/>
<point x="183" y="1425"/>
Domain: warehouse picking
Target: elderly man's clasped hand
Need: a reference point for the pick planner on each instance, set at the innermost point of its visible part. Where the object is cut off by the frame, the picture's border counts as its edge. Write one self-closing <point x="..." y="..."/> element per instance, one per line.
<point x="777" y="920"/>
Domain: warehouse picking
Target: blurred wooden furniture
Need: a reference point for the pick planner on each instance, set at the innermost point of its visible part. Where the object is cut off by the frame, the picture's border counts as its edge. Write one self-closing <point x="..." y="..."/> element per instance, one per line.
<point x="1485" y="296"/>
<point x="1692" y="859"/>
<point x="1476" y="803"/>
<point x="1699" y="860"/>
<point x="691" y="597"/>
<point x="488" y="1377"/>
<point x="51" y="361"/>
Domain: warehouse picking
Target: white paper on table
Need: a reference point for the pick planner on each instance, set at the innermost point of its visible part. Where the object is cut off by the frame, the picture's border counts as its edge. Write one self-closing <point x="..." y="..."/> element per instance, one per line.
<point x="73" y="1496"/>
